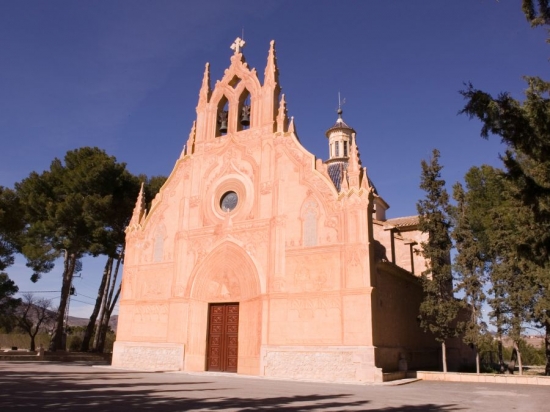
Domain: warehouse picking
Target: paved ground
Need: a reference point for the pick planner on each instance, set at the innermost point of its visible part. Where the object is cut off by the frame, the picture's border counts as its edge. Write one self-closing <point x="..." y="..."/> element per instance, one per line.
<point x="36" y="386"/>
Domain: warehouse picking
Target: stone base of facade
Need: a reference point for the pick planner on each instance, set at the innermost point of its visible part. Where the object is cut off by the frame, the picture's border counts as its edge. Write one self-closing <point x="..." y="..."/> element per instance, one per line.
<point x="148" y="356"/>
<point x="320" y="363"/>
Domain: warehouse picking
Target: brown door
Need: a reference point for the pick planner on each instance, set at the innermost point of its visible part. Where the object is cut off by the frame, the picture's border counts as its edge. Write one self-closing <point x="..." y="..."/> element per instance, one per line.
<point x="223" y="337"/>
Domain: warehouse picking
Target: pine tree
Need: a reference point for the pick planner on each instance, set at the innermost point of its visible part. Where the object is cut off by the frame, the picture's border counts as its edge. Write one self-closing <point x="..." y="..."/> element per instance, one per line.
<point x="11" y="226"/>
<point x="525" y="128"/>
<point x="8" y="304"/>
<point x="66" y="210"/>
<point x="439" y="309"/>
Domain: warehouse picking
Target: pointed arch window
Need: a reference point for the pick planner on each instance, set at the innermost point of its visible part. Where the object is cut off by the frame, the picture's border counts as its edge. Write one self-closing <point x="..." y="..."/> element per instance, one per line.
<point x="244" y="111"/>
<point x="222" y="120"/>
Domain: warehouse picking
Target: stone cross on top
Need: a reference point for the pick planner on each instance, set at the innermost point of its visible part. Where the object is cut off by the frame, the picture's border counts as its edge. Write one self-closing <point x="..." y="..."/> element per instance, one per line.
<point x="237" y="45"/>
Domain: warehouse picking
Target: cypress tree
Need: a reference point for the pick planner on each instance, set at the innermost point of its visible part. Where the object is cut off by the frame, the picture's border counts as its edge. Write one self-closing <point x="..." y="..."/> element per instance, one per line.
<point x="439" y="308"/>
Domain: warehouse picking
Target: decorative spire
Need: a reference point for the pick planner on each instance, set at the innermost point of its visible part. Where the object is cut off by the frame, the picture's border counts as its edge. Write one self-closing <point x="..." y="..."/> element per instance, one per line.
<point x="282" y="117"/>
<point x="271" y="73"/>
<point x="354" y="163"/>
<point x="189" y="147"/>
<point x="344" y="184"/>
<point x="365" y="179"/>
<point x="139" y="210"/>
<point x="354" y="166"/>
<point x="291" y="128"/>
<point x="205" y="92"/>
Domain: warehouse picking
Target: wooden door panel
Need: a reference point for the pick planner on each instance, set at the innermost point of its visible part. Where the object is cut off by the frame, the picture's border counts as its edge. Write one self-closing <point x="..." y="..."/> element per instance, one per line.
<point x="215" y="338"/>
<point x="223" y="337"/>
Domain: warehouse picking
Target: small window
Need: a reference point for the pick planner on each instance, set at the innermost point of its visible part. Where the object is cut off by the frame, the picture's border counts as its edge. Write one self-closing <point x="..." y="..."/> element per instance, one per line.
<point x="345" y="149"/>
<point x="229" y="201"/>
<point x="336" y="149"/>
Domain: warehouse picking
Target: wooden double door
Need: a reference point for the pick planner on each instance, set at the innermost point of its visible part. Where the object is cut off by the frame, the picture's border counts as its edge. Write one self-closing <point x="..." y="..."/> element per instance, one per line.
<point x="223" y="337"/>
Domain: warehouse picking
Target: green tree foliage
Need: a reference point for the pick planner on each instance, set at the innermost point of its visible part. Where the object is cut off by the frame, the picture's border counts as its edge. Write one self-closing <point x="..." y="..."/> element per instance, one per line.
<point x="8" y="304"/>
<point x="68" y="211"/>
<point x="524" y="126"/>
<point x="497" y="221"/>
<point x="469" y="268"/>
<point x="11" y="226"/>
<point x="439" y="309"/>
<point x="537" y="13"/>
<point x="112" y="246"/>
<point x="107" y="295"/>
<point x="151" y="187"/>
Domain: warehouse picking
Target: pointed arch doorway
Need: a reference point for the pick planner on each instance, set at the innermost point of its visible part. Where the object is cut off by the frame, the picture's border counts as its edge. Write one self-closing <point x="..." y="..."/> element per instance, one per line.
<point x="225" y="312"/>
<point x="223" y="337"/>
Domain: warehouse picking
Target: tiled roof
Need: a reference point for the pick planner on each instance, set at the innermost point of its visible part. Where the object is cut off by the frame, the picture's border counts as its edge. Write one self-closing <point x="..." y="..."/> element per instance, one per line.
<point x="403" y="221"/>
<point x="340" y="124"/>
<point x="336" y="171"/>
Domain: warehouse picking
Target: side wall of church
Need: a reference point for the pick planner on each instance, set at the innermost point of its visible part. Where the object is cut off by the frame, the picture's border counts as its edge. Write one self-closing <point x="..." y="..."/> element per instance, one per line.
<point x="397" y="332"/>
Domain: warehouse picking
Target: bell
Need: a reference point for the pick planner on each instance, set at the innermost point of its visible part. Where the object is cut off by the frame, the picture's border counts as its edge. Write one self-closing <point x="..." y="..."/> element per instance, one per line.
<point x="223" y="121"/>
<point x="245" y="119"/>
<point x="223" y="126"/>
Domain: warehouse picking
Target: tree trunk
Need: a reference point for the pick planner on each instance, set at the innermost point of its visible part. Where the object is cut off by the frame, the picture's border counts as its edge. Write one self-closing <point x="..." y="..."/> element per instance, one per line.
<point x="547" y="346"/>
<point x="100" y="293"/>
<point x="477" y="361"/>
<point x="109" y="305"/>
<point x="502" y="366"/>
<point x="95" y="346"/>
<point x="40" y="314"/>
<point x="107" y="319"/>
<point x="518" y="358"/>
<point x="444" y="356"/>
<point x="57" y="342"/>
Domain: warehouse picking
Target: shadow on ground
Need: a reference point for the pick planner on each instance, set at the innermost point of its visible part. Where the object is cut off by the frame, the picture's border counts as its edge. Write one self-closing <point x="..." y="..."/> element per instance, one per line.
<point x="122" y="390"/>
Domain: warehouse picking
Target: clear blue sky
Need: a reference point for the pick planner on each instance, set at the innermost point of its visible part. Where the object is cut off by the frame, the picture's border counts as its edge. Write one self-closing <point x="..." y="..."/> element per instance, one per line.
<point x="125" y="75"/>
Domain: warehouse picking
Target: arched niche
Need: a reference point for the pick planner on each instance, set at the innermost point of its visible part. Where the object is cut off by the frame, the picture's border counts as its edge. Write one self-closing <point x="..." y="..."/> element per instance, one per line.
<point x="226" y="274"/>
<point x="158" y="245"/>
<point x="310" y="213"/>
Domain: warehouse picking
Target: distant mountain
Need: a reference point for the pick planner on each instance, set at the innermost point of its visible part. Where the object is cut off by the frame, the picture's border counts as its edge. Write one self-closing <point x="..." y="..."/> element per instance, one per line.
<point x="74" y="321"/>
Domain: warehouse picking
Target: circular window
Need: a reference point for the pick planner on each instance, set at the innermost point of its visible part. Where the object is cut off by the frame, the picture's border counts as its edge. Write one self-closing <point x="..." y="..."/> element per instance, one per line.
<point x="229" y="201"/>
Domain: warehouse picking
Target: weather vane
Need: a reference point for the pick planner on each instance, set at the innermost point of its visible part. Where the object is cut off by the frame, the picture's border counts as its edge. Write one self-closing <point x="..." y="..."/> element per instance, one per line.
<point x="341" y="102"/>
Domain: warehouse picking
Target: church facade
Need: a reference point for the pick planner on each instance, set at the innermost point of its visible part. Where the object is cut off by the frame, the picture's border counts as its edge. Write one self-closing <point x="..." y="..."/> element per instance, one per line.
<point x="257" y="258"/>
